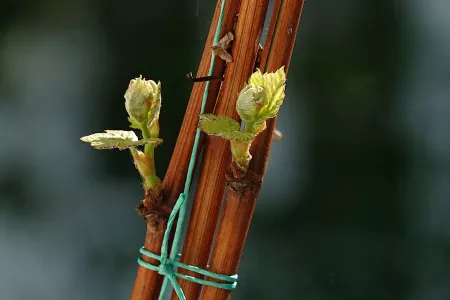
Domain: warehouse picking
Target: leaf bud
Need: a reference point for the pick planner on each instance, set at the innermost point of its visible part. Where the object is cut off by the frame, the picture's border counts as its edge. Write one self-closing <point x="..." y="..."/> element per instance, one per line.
<point x="139" y="97"/>
<point x="249" y="102"/>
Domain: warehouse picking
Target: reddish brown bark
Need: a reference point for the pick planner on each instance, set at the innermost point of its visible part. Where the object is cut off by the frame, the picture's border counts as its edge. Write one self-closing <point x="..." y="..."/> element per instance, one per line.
<point x="212" y="182"/>
<point x="148" y="283"/>
<point x="241" y="194"/>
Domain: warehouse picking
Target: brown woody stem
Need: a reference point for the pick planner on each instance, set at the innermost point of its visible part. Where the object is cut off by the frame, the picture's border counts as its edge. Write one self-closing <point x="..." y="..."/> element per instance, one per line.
<point x="212" y="182"/>
<point x="241" y="194"/>
<point x="147" y="285"/>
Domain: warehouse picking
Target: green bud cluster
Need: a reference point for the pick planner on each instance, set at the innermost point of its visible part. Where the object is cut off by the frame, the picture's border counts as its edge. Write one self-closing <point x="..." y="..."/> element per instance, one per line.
<point x="143" y="104"/>
<point x="258" y="101"/>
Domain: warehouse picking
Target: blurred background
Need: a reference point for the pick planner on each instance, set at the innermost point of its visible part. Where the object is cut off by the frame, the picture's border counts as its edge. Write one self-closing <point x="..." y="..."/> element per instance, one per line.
<point x="356" y="201"/>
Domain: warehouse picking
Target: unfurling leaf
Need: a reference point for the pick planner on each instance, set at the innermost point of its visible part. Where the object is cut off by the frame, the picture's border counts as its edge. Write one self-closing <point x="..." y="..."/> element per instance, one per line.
<point x="223" y="126"/>
<point x="258" y="101"/>
<point x="138" y="98"/>
<point x="153" y="115"/>
<point x="146" y="168"/>
<point x="111" y="139"/>
<point x="249" y="102"/>
<point x="143" y="104"/>
<point x="143" y="163"/>
<point x="274" y="86"/>
<point x="256" y="78"/>
<point x="133" y="123"/>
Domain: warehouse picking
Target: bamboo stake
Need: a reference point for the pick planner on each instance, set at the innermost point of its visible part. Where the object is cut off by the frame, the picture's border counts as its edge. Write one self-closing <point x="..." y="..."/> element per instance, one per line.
<point x="241" y="194"/>
<point x="212" y="182"/>
<point x="148" y="283"/>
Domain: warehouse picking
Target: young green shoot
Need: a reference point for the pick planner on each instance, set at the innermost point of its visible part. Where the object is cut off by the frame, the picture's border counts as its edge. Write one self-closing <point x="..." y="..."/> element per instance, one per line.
<point x="143" y="104"/>
<point x="258" y="101"/>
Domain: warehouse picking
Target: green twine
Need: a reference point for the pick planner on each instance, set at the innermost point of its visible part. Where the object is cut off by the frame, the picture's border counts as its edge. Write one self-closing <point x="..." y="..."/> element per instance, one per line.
<point x="176" y="263"/>
<point x="169" y="261"/>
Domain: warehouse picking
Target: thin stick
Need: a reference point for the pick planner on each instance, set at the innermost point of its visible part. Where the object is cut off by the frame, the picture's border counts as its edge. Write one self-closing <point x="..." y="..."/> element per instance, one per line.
<point x="241" y="195"/>
<point x="212" y="182"/>
<point x="148" y="283"/>
<point x="201" y="79"/>
<point x="173" y="183"/>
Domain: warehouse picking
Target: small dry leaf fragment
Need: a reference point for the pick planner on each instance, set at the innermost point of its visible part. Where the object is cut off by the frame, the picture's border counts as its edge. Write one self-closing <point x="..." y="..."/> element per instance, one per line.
<point x="277" y="135"/>
<point x="220" y="49"/>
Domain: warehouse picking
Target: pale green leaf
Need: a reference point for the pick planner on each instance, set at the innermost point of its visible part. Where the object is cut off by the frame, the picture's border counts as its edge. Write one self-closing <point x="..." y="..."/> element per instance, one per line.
<point x="255" y="127"/>
<point x="155" y="142"/>
<point x="271" y="109"/>
<point x="249" y="102"/>
<point x="111" y="139"/>
<point x="153" y="114"/>
<point x="238" y="136"/>
<point x="223" y="126"/>
<point x="213" y="124"/>
<point x="274" y="86"/>
<point x="138" y="98"/>
<point x="133" y="123"/>
<point x="256" y="78"/>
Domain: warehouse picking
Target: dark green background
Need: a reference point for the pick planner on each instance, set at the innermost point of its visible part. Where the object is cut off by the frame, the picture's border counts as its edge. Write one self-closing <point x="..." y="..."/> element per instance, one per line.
<point x="356" y="201"/>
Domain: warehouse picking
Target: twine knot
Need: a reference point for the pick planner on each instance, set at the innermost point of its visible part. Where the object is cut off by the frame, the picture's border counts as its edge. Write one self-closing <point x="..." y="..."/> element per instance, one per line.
<point x="165" y="269"/>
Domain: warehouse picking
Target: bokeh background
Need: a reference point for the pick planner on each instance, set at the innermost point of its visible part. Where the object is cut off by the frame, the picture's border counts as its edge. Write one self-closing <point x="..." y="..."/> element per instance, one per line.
<point x="356" y="201"/>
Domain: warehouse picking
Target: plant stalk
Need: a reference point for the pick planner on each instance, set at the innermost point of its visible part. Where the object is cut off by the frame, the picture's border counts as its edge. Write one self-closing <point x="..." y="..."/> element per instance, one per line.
<point x="151" y="180"/>
<point x="212" y="182"/>
<point x="241" y="194"/>
<point x="240" y="157"/>
<point x="148" y="283"/>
